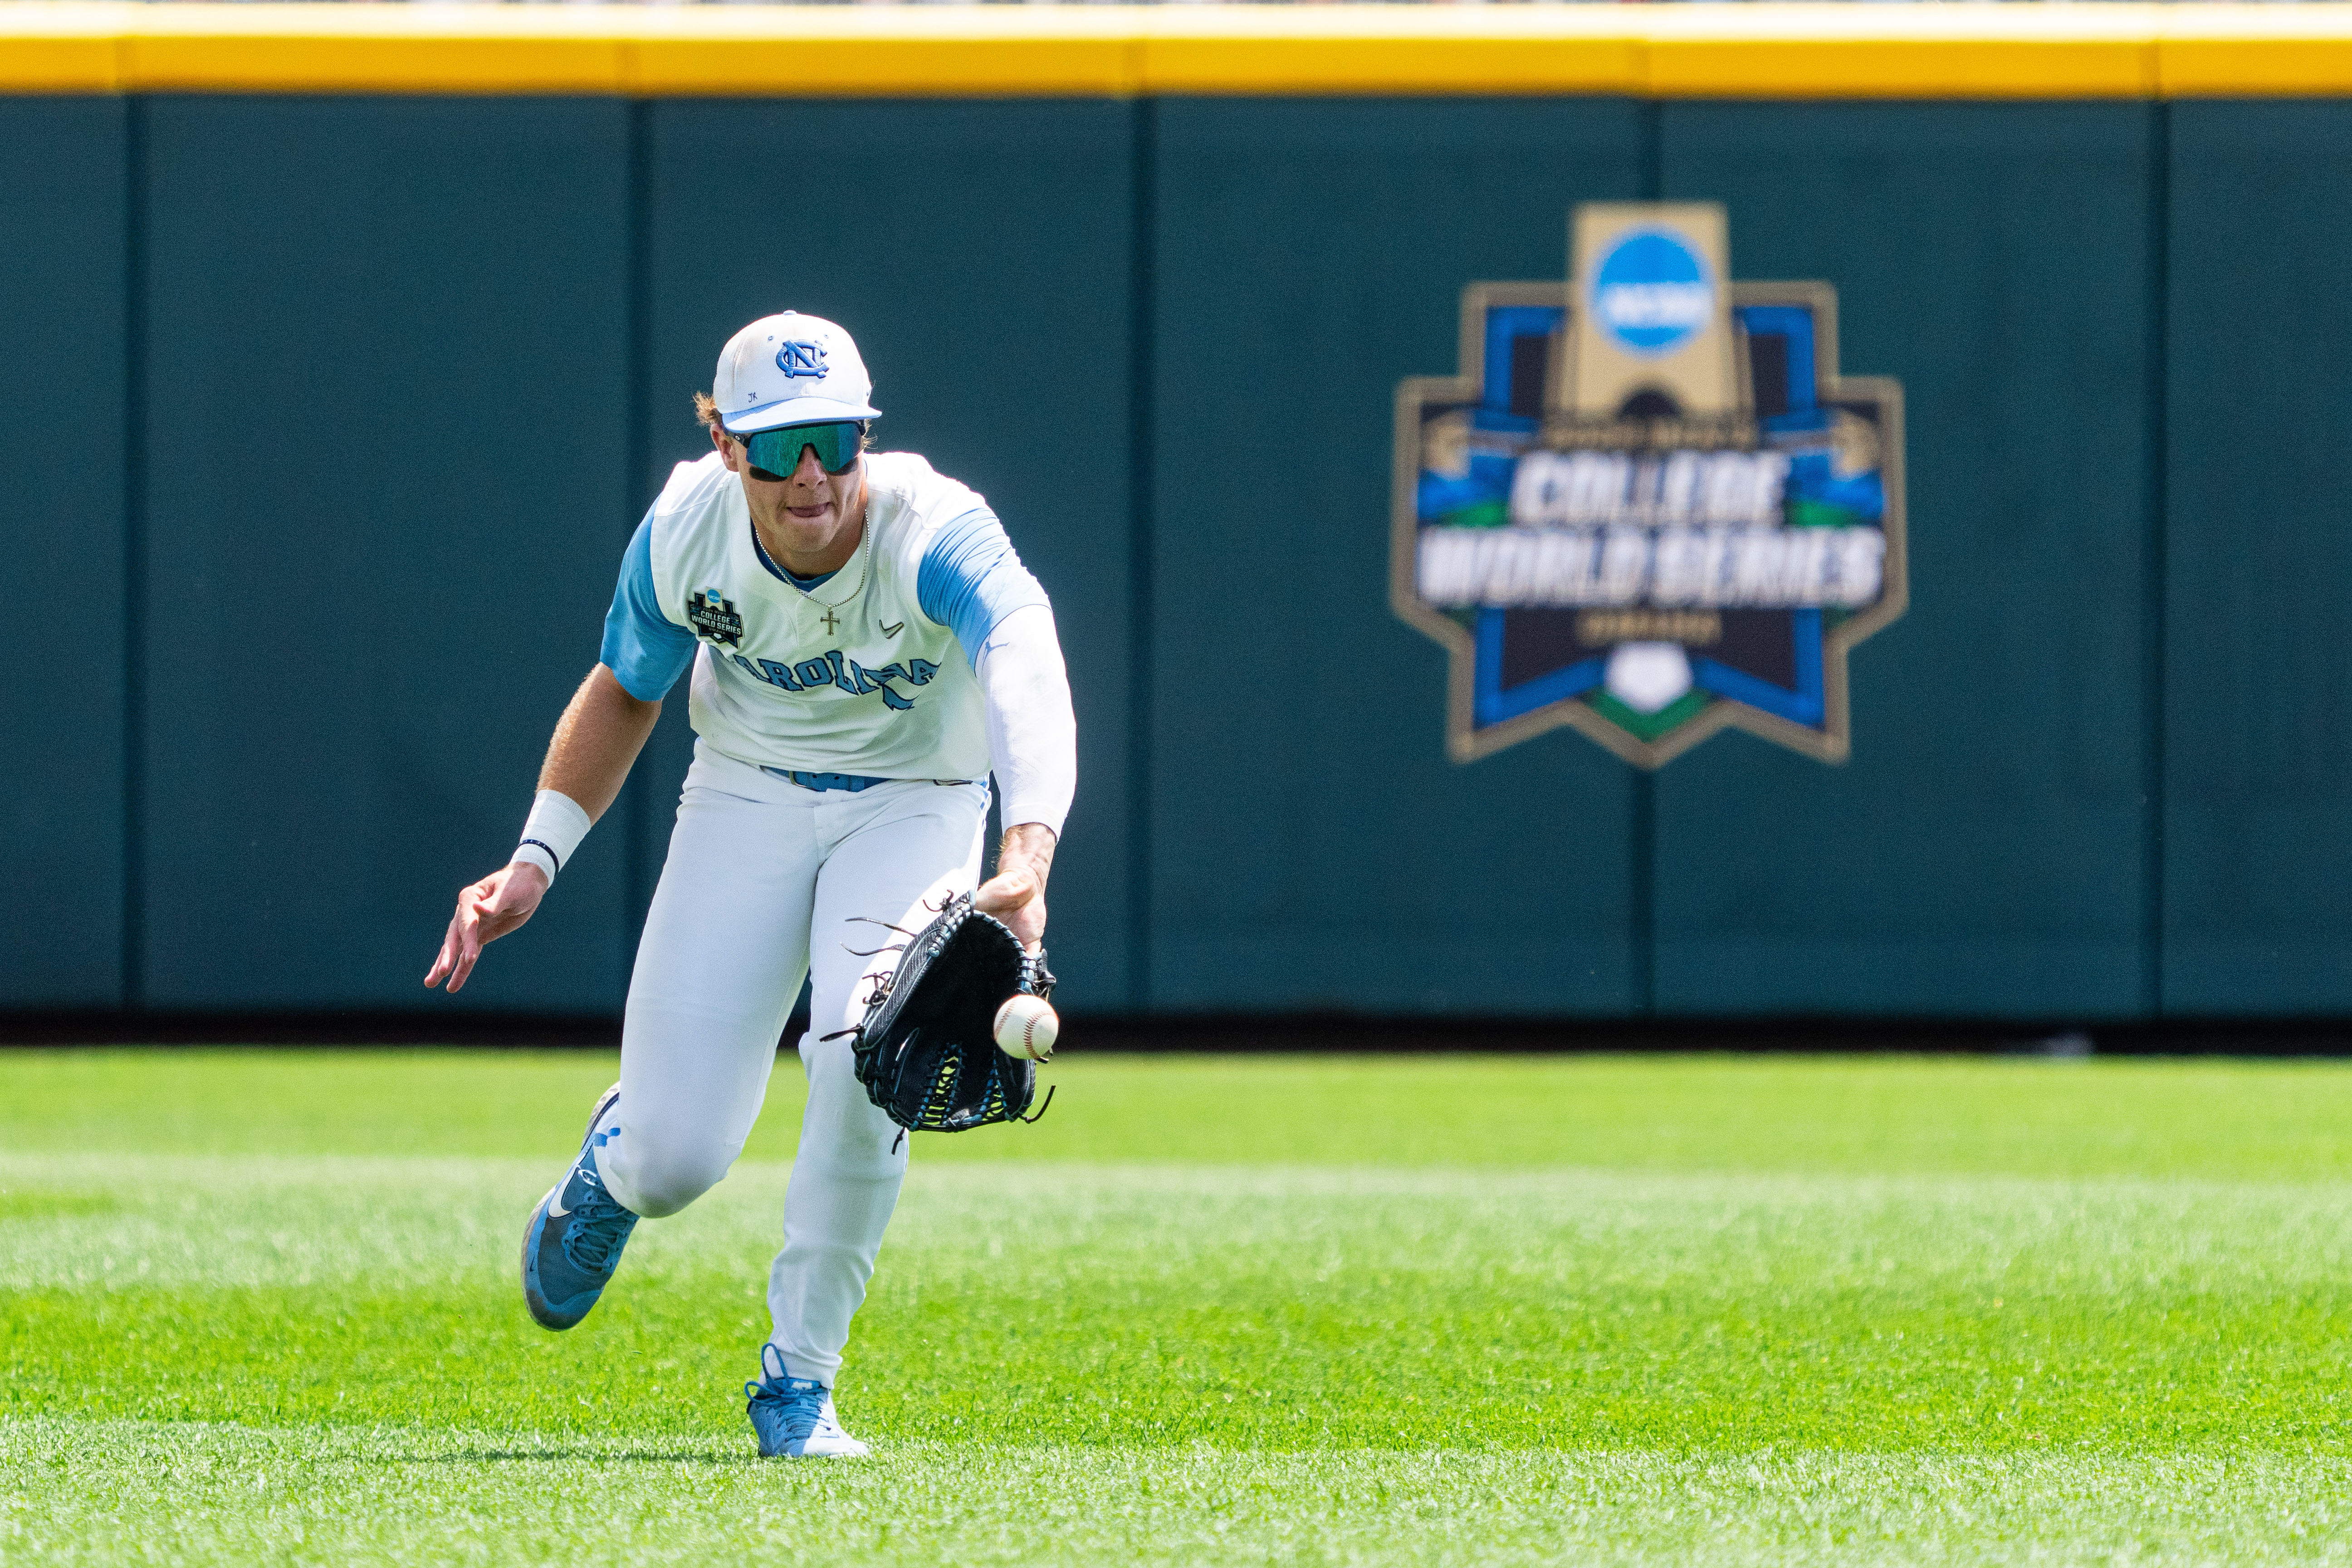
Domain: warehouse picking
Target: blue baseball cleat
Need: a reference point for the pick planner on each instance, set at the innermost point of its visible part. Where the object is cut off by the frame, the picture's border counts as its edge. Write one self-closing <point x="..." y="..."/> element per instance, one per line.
<point x="794" y="1417"/>
<point x="573" y="1241"/>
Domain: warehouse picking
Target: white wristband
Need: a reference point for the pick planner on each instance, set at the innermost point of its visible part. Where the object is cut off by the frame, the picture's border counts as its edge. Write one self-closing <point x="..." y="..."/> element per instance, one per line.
<point x="551" y="832"/>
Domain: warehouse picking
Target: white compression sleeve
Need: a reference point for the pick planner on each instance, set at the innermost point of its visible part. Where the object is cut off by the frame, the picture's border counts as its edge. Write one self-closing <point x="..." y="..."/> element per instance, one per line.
<point x="1032" y="735"/>
<point x="551" y="832"/>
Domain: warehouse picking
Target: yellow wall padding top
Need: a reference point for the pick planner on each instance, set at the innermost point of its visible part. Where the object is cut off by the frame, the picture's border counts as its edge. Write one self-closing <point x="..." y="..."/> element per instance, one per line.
<point x="1769" y="50"/>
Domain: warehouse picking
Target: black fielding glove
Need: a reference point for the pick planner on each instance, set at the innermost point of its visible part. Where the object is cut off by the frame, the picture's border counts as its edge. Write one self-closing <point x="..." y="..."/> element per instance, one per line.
<point x="927" y="1048"/>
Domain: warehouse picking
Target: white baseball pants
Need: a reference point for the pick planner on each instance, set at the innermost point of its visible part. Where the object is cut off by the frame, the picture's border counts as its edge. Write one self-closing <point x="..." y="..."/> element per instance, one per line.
<point x="767" y="882"/>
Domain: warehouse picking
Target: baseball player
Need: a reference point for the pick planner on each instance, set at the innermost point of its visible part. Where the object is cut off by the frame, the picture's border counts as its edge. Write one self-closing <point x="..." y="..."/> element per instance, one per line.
<point x="865" y="649"/>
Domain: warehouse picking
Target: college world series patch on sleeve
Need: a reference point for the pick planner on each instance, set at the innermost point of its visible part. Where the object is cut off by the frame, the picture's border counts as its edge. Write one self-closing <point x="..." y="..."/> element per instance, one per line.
<point x="1649" y="507"/>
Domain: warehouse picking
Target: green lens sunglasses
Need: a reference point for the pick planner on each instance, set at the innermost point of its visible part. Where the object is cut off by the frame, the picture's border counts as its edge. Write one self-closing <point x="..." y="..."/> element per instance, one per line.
<point x="774" y="454"/>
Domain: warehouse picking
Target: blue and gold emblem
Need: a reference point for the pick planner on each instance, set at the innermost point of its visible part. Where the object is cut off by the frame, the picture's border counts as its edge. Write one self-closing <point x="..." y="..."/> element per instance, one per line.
<point x="1649" y="507"/>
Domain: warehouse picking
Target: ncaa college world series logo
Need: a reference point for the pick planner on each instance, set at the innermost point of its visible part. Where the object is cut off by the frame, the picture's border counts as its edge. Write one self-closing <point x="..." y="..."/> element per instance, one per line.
<point x="1649" y="506"/>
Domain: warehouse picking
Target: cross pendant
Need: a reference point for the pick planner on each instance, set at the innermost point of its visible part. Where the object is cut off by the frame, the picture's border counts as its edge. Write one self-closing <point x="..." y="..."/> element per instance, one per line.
<point x="832" y="623"/>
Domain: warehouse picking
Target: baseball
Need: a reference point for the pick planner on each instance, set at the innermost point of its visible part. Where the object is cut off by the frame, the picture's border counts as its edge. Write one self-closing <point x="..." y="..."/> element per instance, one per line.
<point x="1025" y="1027"/>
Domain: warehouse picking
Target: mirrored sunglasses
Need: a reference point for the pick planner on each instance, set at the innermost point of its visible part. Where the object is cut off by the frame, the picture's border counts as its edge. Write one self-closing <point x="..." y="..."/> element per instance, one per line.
<point x="774" y="454"/>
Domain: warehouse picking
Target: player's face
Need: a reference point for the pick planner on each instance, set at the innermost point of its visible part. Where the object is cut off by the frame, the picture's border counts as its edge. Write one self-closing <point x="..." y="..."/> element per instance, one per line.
<point x="811" y="514"/>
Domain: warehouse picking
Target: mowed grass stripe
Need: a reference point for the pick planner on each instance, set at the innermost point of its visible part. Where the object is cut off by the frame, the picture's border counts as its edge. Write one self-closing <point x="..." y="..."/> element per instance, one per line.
<point x="2263" y="1120"/>
<point x="122" y="1491"/>
<point x="1270" y="1307"/>
<point x="1684" y="1311"/>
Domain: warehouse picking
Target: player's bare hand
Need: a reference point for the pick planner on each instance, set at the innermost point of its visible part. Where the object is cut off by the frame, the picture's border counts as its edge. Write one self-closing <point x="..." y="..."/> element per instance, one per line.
<point x="1016" y="894"/>
<point x="487" y="911"/>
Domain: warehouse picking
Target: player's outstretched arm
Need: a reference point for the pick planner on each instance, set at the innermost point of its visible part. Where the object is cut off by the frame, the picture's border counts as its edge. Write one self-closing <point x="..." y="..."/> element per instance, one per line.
<point x="596" y="742"/>
<point x="1033" y="739"/>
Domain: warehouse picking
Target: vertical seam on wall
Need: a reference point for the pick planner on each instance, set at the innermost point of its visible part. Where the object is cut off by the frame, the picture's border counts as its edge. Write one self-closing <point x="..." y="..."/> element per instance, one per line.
<point x="1143" y="194"/>
<point x="1641" y="913"/>
<point x="636" y="361"/>
<point x="134" y="552"/>
<point x="2154" y="567"/>
<point x="1642" y="813"/>
<point x="1650" y="175"/>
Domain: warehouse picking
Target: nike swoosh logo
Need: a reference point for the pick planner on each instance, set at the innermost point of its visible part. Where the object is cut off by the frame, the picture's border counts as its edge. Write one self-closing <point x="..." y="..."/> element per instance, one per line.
<point x="894" y="631"/>
<point x="555" y="1209"/>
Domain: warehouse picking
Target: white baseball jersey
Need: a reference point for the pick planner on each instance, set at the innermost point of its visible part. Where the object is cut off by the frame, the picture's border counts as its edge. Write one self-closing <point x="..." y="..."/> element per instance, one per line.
<point x="867" y="672"/>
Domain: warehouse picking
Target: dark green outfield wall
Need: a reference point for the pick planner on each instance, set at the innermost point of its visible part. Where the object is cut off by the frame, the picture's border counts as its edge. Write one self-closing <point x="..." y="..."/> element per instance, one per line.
<point x="299" y="596"/>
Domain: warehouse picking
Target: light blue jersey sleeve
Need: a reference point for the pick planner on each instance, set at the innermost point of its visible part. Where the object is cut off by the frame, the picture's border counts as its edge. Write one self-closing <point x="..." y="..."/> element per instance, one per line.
<point x="970" y="579"/>
<point x="644" y="652"/>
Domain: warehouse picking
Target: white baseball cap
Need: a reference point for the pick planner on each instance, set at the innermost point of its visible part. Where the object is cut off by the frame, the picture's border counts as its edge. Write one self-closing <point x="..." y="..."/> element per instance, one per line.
<point x="790" y="369"/>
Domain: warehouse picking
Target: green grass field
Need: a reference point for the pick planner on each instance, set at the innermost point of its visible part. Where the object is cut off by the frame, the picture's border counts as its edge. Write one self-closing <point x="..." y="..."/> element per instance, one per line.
<point x="261" y="1308"/>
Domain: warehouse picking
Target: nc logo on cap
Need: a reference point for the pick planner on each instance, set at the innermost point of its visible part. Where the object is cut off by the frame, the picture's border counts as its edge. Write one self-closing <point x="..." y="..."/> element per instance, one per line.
<point x="790" y="369"/>
<point x="800" y="357"/>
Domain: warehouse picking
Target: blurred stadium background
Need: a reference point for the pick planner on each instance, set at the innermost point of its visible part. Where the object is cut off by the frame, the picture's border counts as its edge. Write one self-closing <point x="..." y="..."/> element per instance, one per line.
<point x="346" y="344"/>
